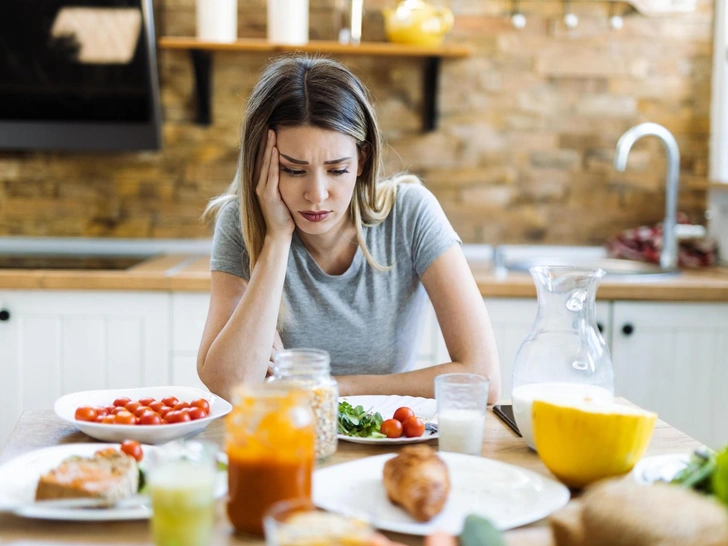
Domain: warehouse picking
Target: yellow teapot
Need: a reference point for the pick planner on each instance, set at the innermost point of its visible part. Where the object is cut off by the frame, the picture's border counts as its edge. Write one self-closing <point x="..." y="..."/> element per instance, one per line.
<point x="416" y="22"/>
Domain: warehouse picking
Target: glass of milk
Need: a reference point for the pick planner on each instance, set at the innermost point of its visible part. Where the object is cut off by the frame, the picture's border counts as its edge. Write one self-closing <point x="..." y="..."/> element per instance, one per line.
<point x="462" y="399"/>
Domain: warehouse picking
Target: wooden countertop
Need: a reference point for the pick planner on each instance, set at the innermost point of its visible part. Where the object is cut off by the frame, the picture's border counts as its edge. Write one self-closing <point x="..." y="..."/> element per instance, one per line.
<point x="192" y="273"/>
<point x="42" y="428"/>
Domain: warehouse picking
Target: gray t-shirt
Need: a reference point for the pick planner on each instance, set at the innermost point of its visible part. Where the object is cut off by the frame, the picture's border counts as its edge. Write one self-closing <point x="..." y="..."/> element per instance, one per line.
<point x="369" y="321"/>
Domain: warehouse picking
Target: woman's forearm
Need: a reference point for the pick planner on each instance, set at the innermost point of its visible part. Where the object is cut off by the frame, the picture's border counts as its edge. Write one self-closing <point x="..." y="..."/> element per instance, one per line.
<point x="241" y="351"/>
<point x="414" y="383"/>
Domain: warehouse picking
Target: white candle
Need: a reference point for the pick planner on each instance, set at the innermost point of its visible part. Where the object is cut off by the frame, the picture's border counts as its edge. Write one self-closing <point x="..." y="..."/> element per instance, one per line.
<point x="288" y="21"/>
<point x="217" y="20"/>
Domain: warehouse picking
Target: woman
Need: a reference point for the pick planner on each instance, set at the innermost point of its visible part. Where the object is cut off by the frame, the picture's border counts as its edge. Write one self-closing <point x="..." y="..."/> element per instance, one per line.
<point x="328" y="256"/>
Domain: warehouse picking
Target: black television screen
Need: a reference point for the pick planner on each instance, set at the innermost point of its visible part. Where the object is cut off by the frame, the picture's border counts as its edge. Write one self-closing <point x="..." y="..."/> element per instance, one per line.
<point x="78" y="75"/>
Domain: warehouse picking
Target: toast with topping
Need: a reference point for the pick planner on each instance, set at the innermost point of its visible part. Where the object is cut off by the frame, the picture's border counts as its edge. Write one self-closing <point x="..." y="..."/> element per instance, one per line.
<point x="109" y="474"/>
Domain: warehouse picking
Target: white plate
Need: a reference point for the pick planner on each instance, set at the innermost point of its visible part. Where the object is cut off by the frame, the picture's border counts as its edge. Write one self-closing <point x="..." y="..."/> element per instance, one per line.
<point x="66" y="406"/>
<point x="656" y="468"/>
<point x="509" y="496"/>
<point x="19" y="478"/>
<point x="424" y="408"/>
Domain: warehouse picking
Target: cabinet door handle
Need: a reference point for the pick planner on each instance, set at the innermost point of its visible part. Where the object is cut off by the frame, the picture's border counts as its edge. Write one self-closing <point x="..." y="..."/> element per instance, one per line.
<point x="627" y="329"/>
<point x="600" y="327"/>
<point x="4" y="315"/>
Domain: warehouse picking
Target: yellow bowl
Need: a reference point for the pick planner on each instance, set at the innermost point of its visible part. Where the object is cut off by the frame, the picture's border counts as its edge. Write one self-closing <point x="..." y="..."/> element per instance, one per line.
<point x="585" y="442"/>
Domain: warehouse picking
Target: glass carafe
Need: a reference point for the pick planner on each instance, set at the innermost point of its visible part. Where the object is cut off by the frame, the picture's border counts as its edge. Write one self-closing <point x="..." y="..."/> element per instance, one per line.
<point x="564" y="357"/>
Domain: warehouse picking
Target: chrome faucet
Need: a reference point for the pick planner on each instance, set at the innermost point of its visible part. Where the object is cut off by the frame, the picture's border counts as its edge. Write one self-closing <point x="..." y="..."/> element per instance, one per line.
<point x="668" y="257"/>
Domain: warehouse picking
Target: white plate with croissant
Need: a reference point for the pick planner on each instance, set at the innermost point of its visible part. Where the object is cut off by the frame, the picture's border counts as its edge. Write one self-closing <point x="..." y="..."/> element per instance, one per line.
<point x="421" y="491"/>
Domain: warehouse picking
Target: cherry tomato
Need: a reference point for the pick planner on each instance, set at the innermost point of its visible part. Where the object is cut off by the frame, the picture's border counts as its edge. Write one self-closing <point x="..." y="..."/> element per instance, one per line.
<point x="109" y="408"/>
<point x="170" y="401"/>
<point x="157" y="406"/>
<point x="125" y="418"/>
<point x="391" y="428"/>
<point x="146" y="401"/>
<point x="85" y="413"/>
<point x="131" y="407"/>
<point x="202" y="404"/>
<point x="101" y="410"/>
<point x="413" y="427"/>
<point x="117" y="410"/>
<point x="133" y="449"/>
<point x="166" y="410"/>
<point x="141" y="410"/>
<point x="197" y="413"/>
<point x="121" y="402"/>
<point x="150" y="418"/>
<point x="181" y="405"/>
<point x="100" y="418"/>
<point x="402" y="414"/>
<point x="109" y="419"/>
<point x="178" y="417"/>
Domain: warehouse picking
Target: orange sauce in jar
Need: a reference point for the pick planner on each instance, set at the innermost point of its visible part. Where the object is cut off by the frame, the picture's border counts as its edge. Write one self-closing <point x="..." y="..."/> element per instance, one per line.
<point x="270" y="448"/>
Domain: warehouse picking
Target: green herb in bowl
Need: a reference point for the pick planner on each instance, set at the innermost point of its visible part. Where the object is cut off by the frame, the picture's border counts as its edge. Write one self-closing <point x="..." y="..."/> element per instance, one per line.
<point x="356" y="421"/>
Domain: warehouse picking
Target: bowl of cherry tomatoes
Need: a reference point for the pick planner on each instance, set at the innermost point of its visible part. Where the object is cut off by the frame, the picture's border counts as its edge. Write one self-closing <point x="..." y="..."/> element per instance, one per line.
<point x="150" y="415"/>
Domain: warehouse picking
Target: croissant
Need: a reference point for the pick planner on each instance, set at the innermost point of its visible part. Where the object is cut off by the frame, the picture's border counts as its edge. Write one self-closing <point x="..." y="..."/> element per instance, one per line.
<point x="418" y="480"/>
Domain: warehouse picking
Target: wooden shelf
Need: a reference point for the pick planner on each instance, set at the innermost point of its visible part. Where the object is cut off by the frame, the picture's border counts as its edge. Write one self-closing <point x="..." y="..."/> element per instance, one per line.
<point x="367" y="48"/>
<point x="201" y="54"/>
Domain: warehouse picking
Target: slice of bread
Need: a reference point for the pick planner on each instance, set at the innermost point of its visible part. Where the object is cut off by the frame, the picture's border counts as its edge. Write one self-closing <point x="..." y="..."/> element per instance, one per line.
<point x="109" y="474"/>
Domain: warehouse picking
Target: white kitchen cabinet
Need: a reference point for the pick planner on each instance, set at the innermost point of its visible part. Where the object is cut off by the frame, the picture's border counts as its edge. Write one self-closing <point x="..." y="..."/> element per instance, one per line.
<point x="672" y="358"/>
<point x="189" y="313"/>
<point x="56" y="342"/>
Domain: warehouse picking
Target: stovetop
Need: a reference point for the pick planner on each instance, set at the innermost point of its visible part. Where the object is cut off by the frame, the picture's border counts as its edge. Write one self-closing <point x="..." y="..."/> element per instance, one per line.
<point x="69" y="261"/>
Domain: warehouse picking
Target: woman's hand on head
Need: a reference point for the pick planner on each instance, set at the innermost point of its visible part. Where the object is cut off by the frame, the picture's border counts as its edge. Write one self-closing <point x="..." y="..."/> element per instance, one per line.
<point x="278" y="220"/>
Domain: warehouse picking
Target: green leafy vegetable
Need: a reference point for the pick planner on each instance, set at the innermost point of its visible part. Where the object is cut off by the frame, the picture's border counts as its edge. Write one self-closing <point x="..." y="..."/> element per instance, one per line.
<point x="720" y="476"/>
<point x="706" y="472"/>
<point x="142" y="481"/>
<point x="478" y="531"/>
<point x="356" y="421"/>
<point x="698" y="473"/>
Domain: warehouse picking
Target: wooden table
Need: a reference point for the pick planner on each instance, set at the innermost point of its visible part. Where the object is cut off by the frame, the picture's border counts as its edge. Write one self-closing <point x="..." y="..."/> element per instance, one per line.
<point x="41" y="428"/>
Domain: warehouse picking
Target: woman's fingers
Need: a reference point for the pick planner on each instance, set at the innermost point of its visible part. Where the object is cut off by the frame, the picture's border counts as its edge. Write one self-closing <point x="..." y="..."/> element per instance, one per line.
<point x="277" y="342"/>
<point x="265" y="167"/>
<point x="259" y="156"/>
<point x="272" y="181"/>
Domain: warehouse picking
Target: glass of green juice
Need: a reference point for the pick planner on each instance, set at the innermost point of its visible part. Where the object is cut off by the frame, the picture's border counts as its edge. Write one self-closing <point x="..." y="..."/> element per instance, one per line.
<point x="181" y="478"/>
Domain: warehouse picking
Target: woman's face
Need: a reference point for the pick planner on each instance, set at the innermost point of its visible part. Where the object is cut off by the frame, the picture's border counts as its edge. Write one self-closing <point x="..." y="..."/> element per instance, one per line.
<point x="318" y="171"/>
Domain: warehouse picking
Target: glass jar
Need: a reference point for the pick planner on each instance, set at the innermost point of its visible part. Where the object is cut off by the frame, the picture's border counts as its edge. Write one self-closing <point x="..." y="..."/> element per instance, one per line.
<point x="564" y="357"/>
<point x="310" y="370"/>
<point x="270" y="437"/>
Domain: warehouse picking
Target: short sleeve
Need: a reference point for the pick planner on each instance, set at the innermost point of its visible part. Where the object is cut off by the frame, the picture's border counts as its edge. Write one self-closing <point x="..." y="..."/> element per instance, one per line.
<point x="228" y="250"/>
<point x="427" y="229"/>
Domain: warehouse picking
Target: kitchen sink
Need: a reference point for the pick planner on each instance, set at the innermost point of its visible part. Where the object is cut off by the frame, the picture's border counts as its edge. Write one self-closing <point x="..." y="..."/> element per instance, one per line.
<point x="522" y="257"/>
<point x="69" y="261"/>
<point x="613" y="267"/>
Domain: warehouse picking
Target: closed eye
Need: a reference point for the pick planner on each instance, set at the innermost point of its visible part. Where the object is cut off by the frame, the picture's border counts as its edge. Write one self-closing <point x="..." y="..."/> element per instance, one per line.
<point x="292" y="172"/>
<point x="298" y="172"/>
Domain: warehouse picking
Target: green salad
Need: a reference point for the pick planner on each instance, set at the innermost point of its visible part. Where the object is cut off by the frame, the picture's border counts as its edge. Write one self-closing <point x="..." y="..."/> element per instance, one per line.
<point x="706" y="472"/>
<point x="357" y="422"/>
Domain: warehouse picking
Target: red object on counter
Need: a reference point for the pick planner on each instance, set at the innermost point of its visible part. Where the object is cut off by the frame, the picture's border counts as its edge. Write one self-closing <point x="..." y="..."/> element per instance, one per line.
<point x="644" y="244"/>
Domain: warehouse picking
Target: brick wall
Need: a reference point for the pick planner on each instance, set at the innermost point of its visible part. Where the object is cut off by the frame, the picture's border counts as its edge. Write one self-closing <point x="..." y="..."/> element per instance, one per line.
<point x="522" y="152"/>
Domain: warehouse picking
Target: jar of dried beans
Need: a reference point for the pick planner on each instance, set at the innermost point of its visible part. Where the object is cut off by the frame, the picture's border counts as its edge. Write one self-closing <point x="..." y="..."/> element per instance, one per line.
<point x="310" y="369"/>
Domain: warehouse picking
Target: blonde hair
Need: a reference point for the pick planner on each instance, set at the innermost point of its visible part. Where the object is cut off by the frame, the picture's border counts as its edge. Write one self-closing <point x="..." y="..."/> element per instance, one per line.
<point x="316" y="92"/>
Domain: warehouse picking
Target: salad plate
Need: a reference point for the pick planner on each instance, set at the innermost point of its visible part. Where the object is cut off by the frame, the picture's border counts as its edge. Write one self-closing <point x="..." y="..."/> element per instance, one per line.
<point x="659" y="468"/>
<point x="509" y="496"/>
<point x="19" y="479"/>
<point x="424" y="408"/>
<point x="65" y="408"/>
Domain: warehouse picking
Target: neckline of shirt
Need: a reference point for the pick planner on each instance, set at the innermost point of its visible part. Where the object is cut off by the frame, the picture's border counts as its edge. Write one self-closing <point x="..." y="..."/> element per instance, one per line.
<point x="315" y="268"/>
